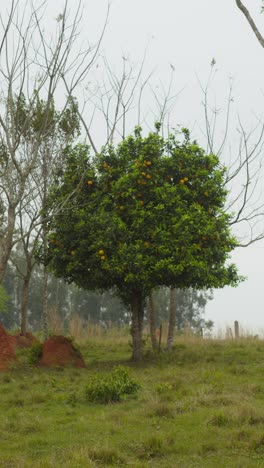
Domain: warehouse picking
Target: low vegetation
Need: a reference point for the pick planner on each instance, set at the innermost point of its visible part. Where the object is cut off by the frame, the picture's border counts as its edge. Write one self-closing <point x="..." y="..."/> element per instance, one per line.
<point x="200" y="405"/>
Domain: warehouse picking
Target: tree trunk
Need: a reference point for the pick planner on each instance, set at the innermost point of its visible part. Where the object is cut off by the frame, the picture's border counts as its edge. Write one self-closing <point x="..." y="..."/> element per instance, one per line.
<point x="24" y="303"/>
<point x="172" y="318"/>
<point x="45" y="304"/>
<point x="3" y="265"/>
<point x="137" y="309"/>
<point x="152" y="323"/>
<point x="6" y="242"/>
<point x="45" y="175"/>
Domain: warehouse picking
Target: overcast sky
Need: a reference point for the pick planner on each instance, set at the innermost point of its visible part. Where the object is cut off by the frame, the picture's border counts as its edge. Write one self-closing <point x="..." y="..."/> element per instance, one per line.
<point x="188" y="34"/>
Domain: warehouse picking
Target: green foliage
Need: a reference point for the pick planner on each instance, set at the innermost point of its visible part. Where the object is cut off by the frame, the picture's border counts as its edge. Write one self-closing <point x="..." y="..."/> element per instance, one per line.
<point x="3" y="299"/>
<point x="163" y="387"/>
<point x="111" y="388"/>
<point x="34" y="354"/>
<point x="29" y="356"/>
<point x="146" y="213"/>
<point x="40" y="117"/>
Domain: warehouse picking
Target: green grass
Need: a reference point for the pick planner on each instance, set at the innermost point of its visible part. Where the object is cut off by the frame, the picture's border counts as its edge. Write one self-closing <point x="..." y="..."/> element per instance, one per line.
<point x="200" y="406"/>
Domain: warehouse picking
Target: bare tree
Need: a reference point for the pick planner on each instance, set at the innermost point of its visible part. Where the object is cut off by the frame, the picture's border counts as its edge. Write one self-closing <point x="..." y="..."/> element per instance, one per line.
<point x="241" y="152"/>
<point x="29" y="238"/>
<point x="32" y="220"/>
<point x="33" y="65"/>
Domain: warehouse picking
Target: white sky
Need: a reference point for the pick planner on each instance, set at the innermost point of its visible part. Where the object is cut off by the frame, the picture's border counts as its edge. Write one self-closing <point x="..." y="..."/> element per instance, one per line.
<point x="188" y="34"/>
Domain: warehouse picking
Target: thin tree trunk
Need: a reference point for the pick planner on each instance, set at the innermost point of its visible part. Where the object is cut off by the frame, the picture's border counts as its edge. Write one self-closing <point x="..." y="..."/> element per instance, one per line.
<point x="45" y="322"/>
<point x="172" y="319"/>
<point x="6" y="243"/>
<point x="137" y="309"/>
<point x="45" y="174"/>
<point x="3" y="265"/>
<point x="24" y="303"/>
<point x="152" y="323"/>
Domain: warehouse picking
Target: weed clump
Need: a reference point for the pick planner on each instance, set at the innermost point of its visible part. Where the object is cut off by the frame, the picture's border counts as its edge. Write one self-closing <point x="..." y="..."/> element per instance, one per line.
<point x="219" y="420"/>
<point x="34" y="354"/>
<point x="161" y="410"/>
<point x="111" y="388"/>
<point x="150" y="448"/>
<point x="163" y="387"/>
<point x="105" y="456"/>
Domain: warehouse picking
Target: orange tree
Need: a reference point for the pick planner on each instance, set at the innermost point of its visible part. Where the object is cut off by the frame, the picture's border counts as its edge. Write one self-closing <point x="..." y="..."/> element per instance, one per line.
<point x="146" y="213"/>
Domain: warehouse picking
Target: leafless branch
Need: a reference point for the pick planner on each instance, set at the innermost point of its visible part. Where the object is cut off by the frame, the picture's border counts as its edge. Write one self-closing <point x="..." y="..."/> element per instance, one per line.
<point x="251" y="22"/>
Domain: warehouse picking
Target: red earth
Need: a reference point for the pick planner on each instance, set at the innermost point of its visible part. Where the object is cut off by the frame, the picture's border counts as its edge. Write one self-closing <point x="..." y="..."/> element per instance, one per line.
<point x="59" y="351"/>
<point x="56" y="351"/>
<point x="7" y="349"/>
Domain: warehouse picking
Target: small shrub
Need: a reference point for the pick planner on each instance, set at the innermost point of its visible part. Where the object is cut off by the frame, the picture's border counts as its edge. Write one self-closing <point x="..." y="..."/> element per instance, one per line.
<point x="111" y="388"/>
<point x="34" y="354"/>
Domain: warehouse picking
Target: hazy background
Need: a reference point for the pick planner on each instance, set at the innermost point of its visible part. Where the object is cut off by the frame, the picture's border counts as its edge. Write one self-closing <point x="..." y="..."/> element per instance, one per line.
<point x="188" y="34"/>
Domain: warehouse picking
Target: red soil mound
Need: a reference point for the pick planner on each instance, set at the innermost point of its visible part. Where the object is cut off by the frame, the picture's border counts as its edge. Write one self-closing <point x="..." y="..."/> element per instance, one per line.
<point x="7" y="349"/>
<point x="59" y="351"/>
<point x="24" y="341"/>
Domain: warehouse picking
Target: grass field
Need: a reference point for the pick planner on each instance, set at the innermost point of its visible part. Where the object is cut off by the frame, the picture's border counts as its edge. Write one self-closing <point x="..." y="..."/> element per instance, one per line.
<point x="200" y="406"/>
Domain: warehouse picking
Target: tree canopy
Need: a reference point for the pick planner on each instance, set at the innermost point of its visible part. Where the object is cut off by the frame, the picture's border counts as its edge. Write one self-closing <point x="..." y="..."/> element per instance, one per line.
<point x="146" y="213"/>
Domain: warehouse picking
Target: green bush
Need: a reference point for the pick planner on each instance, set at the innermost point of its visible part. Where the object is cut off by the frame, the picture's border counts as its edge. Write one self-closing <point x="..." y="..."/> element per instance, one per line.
<point x="111" y="388"/>
<point x="3" y="299"/>
<point x="34" y="354"/>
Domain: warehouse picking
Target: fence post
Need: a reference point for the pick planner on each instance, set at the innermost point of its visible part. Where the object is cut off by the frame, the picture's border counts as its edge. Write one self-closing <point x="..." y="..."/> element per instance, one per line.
<point x="236" y="329"/>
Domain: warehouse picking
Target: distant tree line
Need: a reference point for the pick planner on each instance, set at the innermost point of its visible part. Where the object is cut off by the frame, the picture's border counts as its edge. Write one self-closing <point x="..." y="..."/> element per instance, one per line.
<point x="68" y="300"/>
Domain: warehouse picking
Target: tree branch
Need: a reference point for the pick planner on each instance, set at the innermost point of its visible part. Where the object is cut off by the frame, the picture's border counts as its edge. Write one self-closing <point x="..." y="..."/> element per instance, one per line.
<point x="251" y="22"/>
